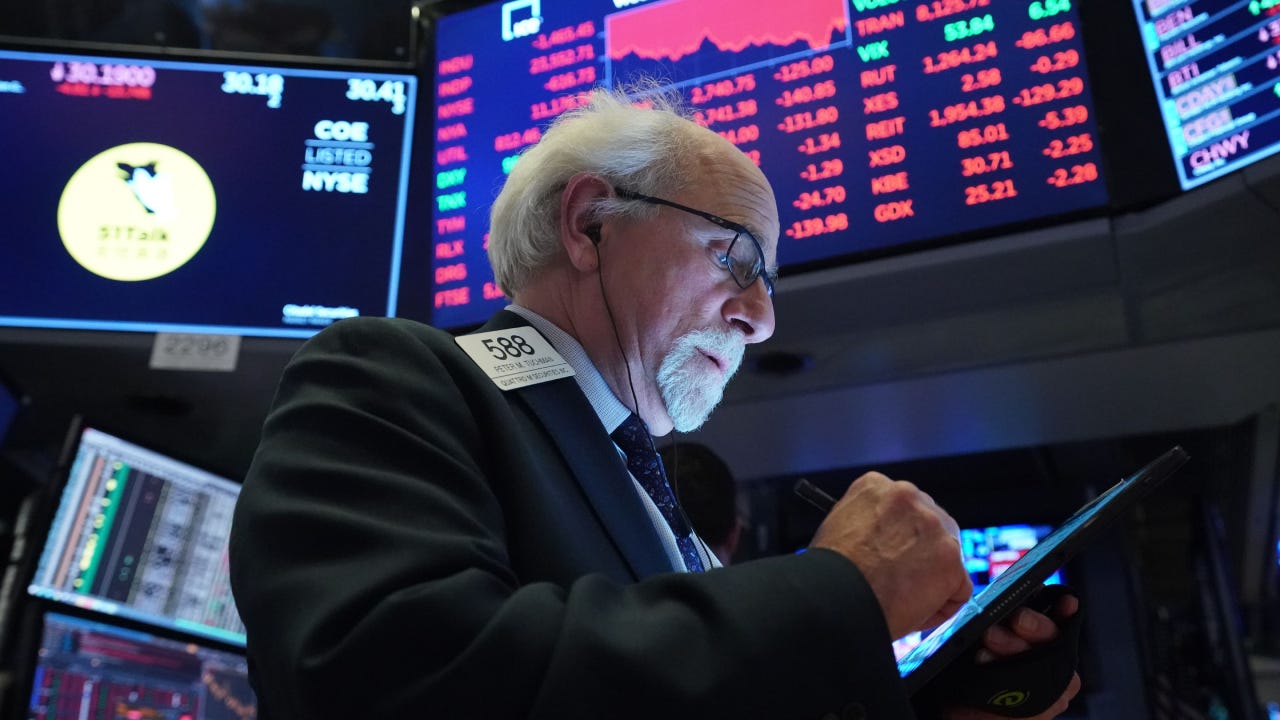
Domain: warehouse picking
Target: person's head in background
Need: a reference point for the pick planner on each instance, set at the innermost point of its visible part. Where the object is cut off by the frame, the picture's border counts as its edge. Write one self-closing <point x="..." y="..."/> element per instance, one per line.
<point x="708" y="494"/>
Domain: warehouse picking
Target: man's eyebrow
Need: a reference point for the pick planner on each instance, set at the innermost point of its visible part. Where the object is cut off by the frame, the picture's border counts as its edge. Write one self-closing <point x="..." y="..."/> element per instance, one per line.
<point x="737" y="226"/>
<point x="755" y="231"/>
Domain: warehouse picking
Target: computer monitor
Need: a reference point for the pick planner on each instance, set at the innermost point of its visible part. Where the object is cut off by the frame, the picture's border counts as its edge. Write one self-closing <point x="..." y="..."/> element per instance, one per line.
<point x="987" y="552"/>
<point x="880" y="125"/>
<point x="86" y="668"/>
<point x="192" y="195"/>
<point x="1213" y="64"/>
<point x="141" y="535"/>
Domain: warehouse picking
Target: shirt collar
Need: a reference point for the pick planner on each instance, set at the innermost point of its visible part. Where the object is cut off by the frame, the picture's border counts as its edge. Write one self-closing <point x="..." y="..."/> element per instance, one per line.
<point x="608" y="407"/>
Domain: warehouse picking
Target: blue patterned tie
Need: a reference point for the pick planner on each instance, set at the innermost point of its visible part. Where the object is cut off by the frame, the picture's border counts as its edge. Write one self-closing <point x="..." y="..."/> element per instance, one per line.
<point x="645" y="465"/>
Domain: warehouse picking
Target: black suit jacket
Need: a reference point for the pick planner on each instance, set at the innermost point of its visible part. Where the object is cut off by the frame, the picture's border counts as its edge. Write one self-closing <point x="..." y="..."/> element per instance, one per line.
<point x="413" y="542"/>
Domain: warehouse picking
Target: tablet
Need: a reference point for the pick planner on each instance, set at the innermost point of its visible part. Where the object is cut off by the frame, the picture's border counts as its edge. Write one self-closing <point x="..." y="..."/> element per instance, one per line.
<point x="963" y="631"/>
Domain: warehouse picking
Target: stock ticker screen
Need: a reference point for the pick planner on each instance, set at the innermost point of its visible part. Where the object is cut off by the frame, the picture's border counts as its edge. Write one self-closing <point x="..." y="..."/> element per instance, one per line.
<point x="142" y="536"/>
<point x="151" y="195"/>
<point x="90" y="669"/>
<point x="1216" y="69"/>
<point x="878" y="122"/>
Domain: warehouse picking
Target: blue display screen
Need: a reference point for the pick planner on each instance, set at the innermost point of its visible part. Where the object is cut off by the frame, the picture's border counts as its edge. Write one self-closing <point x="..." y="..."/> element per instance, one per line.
<point x="156" y="195"/>
<point x="879" y="123"/>
<point x="96" y="669"/>
<point x="987" y="552"/>
<point x="142" y="536"/>
<point x="1214" y="64"/>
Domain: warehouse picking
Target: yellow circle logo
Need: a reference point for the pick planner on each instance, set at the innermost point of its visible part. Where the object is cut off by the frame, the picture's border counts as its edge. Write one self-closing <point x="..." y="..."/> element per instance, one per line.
<point x="1009" y="698"/>
<point x="136" y="211"/>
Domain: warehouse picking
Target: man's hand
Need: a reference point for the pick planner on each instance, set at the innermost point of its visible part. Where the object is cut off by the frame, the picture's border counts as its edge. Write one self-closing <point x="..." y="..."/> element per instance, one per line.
<point x="1019" y="632"/>
<point x="906" y="547"/>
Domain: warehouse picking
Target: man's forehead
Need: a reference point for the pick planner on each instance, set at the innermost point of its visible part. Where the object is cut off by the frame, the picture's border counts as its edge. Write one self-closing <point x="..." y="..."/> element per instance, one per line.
<point x="756" y="209"/>
<point x="744" y="198"/>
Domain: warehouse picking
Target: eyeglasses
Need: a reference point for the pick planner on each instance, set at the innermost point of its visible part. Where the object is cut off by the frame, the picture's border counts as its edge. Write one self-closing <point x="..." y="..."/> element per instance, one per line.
<point x="745" y="262"/>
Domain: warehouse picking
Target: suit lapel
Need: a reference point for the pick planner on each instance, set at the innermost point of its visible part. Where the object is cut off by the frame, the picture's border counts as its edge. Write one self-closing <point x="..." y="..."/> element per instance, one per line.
<point x="572" y="423"/>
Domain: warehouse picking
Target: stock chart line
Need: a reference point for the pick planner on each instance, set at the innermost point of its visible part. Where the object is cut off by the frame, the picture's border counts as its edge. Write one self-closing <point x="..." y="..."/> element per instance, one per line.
<point x="697" y="42"/>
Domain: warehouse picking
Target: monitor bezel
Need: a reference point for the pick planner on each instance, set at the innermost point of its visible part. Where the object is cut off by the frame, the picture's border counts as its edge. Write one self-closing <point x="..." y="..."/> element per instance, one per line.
<point x="399" y="282"/>
<point x="23" y="659"/>
<point x="1134" y="154"/>
<point x="46" y="501"/>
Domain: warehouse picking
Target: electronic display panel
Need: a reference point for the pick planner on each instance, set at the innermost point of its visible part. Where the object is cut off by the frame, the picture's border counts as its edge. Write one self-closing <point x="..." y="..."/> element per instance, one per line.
<point x="162" y="195"/>
<point x="140" y="535"/>
<point x="1216" y="66"/>
<point x="90" y="669"/>
<point x="988" y="552"/>
<point x="879" y="123"/>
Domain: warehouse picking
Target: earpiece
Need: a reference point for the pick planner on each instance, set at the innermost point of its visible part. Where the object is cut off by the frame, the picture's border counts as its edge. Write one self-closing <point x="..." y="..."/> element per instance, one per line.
<point x="593" y="233"/>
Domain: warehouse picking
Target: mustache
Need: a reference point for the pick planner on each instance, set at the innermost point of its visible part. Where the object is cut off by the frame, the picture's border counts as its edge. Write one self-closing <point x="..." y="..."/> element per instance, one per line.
<point x="726" y="345"/>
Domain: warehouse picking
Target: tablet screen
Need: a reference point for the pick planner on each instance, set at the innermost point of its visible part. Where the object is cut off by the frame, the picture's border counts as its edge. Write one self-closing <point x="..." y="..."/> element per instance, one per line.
<point x="1016" y="584"/>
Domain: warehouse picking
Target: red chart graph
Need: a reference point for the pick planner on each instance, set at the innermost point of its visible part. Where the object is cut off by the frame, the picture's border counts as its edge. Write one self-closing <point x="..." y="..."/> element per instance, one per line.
<point x="694" y="39"/>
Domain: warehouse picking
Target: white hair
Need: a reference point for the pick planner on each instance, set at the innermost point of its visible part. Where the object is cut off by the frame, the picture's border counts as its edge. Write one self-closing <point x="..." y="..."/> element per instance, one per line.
<point x="652" y="148"/>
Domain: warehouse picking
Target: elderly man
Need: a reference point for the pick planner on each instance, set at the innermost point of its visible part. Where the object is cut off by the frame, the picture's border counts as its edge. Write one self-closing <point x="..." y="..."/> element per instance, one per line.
<point x="478" y="527"/>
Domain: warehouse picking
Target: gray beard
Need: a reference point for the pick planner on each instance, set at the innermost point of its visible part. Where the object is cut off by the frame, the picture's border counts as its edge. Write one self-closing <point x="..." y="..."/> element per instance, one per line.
<point x="691" y="389"/>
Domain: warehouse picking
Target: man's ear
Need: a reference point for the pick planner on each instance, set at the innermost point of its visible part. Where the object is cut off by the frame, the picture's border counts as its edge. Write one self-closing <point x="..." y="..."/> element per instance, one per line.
<point x="580" y="231"/>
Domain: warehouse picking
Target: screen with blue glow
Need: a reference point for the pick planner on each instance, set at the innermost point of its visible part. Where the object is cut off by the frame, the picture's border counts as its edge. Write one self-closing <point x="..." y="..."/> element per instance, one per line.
<point x="140" y="535"/>
<point x="879" y="123"/>
<point x="987" y="553"/>
<point x="162" y="195"/>
<point x="91" y="669"/>
<point x="1216" y="69"/>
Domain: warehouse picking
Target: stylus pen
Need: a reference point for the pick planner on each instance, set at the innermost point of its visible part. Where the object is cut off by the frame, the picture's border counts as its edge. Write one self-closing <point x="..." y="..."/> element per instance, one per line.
<point x="814" y="495"/>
